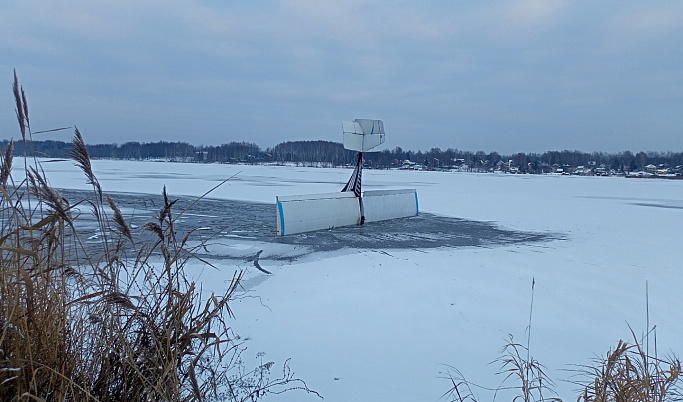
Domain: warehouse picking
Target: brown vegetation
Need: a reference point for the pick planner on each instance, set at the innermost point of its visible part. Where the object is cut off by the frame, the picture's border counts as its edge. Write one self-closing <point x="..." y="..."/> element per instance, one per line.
<point x="117" y="322"/>
<point x="627" y="374"/>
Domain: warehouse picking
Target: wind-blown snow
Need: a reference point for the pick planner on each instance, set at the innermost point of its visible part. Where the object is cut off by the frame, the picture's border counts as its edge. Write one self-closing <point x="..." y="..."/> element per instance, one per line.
<point x="371" y="325"/>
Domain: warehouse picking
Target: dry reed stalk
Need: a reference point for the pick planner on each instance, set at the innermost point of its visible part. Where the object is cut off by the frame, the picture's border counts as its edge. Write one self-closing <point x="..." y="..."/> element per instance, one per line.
<point x="120" y="324"/>
<point x="79" y="153"/>
<point x="530" y="374"/>
<point x="531" y="380"/>
<point x="120" y="221"/>
<point x="6" y="166"/>
<point x="21" y="109"/>
<point x="627" y="373"/>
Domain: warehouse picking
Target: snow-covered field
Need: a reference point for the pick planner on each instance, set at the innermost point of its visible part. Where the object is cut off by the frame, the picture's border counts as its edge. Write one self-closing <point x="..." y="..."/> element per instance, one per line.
<point x="379" y="325"/>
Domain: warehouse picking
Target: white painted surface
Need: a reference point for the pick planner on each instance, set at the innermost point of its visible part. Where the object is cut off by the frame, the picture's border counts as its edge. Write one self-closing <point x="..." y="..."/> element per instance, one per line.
<point x="306" y="213"/>
<point x="382" y="205"/>
<point x="363" y="135"/>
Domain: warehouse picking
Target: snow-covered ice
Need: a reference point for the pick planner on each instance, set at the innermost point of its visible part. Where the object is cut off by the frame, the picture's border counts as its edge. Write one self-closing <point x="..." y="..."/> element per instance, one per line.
<point x="374" y="324"/>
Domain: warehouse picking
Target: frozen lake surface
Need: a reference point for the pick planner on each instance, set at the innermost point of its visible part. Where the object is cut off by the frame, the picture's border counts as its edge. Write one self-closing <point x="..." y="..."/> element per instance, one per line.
<point x="254" y="223"/>
<point x="374" y="313"/>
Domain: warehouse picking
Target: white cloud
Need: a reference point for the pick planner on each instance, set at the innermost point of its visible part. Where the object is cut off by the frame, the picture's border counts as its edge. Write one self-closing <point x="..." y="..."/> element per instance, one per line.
<point x="521" y="20"/>
<point x="332" y="58"/>
<point x="635" y="26"/>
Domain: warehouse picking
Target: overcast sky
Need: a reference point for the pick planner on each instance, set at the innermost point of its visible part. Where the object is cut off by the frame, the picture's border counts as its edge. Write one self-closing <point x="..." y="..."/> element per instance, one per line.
<point x="509" y="76"/>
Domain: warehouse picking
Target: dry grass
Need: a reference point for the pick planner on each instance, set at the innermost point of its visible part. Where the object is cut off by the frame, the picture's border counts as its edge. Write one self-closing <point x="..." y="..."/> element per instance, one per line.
<point x="116" y="322"/>
<point x="627" y="374"/>
<point x="516" y="365"/>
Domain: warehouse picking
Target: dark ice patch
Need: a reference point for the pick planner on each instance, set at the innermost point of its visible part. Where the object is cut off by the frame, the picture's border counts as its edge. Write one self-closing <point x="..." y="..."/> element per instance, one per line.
<point x="238" y="221"/>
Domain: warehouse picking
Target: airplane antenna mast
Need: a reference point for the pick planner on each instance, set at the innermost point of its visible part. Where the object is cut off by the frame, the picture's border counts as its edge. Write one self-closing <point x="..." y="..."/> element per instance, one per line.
<point x="362" y="135"/>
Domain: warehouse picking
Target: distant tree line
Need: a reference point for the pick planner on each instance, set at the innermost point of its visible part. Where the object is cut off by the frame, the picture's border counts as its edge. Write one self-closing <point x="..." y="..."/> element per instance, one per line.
<point x="624" y="161"/>
<point x="328" y="153"/>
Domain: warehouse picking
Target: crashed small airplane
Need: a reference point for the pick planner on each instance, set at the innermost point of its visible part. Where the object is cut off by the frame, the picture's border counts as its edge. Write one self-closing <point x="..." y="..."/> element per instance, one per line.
<point x="353" y="206"/>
